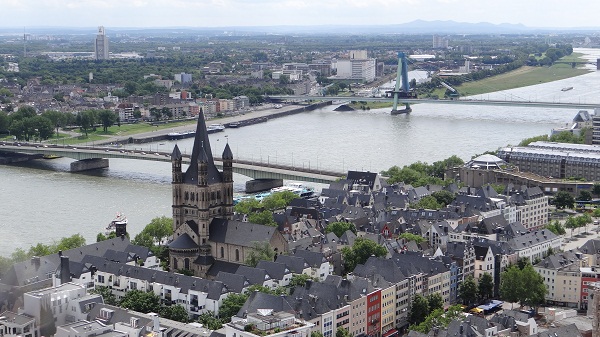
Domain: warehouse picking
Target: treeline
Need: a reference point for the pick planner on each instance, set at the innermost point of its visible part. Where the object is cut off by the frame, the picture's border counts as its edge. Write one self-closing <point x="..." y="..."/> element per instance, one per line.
<point x="40" y="249"/>
<point x="421" y="174"/>
<point x="551" y="55"/>
<point x="26" y="125"/>
<point x="561" y="137"/>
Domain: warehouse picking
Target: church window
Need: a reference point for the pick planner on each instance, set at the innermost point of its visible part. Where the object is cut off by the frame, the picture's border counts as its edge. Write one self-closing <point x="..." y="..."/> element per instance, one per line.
<point x="187" y="195"/>
<point x="175" y="264"/>
<point x="193" y="196"/>
<point x="237" y="254"/>
<point x="222" y="252"/>
<point x="186" y="264"/>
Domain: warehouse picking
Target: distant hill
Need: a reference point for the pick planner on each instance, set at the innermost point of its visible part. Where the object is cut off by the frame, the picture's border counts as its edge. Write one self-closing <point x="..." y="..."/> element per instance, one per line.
<point x="413" y="27"/>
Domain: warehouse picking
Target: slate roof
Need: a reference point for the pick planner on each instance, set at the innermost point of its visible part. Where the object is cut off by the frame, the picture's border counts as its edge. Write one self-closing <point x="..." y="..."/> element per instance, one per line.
<point x="259" y="300"/>
<point x="563" y="331"/>
<point x="201" y="151"/>
<point x="560" y="261"/>
<point x="254" y="275"/>
<point x="590" y="247"/>
<point x="183" y="241"/>
<point x="362" y="178"/>
<point x="222" y="266"/>
<point x="409" y="262"/>
<point x="213" y="289"/>
<point x="294" y="263"/>
<point x="531" y="238"/>
<point x="37" y="269"/>
<point x="313" y="259"/>
<point x="227" y="154"/>
<point x="176" y="154"/>
<point x="239" y="233"/>
<point x="234" y="282"/>
<point x="275" y="269"/>
<point x="379" y="266"/>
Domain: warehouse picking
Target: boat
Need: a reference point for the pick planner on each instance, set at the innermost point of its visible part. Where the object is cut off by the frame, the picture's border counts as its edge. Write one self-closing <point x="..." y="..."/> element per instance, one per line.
<point x="180" y="135"/>
<point x="299" y="189"/>
<point x="234" y="124"/>
<point x="119" y="219"/>
<point x="50" y="156"/>
<point x="216" y="126"/>
<point x="566" y="88"/>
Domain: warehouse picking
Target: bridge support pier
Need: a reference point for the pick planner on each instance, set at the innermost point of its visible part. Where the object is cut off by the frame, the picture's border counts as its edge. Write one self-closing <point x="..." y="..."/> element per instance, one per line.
<point x="89" y="164"/>
<point x="257" y="185"/>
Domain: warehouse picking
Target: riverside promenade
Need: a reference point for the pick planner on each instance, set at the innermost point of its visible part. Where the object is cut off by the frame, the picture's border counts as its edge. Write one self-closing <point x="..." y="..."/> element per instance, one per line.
<point x="246" y="118"/>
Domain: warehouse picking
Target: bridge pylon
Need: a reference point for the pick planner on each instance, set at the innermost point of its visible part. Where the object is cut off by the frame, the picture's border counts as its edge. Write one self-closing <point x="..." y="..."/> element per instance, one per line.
<point x="401" y="78"/>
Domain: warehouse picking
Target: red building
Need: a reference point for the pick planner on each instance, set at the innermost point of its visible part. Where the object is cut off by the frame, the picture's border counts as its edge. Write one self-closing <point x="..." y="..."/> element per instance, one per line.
<point x="374" y="313"/>
<point x="588" y="275"/>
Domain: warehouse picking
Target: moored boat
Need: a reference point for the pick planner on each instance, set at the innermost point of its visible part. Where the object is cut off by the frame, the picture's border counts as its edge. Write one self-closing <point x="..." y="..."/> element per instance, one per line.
<point x="566" y="89"/>
<point x="119" y="219"/>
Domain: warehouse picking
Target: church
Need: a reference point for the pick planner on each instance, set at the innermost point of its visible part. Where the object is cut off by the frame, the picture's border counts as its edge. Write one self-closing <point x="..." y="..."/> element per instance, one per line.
<point x="205" y="238"/>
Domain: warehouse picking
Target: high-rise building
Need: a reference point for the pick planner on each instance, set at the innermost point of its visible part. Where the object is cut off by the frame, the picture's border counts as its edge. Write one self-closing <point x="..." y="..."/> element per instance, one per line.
<point x="596" y="127"/>
<point x="440" y="42"/>
<point x="101" y="45"/>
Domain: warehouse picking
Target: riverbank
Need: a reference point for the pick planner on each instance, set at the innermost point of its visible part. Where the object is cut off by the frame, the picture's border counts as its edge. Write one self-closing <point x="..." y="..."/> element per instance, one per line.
<point x="241" y="120"/>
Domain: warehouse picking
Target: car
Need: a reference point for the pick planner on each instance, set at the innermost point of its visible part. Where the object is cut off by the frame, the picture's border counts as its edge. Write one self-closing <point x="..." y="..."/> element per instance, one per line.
<point x="74" y="148"/>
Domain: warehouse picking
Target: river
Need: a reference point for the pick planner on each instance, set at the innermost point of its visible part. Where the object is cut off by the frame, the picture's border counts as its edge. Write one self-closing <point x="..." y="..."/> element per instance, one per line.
<point x="43" y="202"/>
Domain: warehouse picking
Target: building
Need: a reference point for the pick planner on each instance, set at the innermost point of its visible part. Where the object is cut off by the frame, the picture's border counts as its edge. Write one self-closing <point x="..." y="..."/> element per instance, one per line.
<point x="203" y="229"/>
<point x="355" y="69"/>
<point x="101" y="45"/>
<point x="183" y="78"/>
<point x="440" y="42"/>
<point x="558" y="160"/>
<point x="596" y="127"/>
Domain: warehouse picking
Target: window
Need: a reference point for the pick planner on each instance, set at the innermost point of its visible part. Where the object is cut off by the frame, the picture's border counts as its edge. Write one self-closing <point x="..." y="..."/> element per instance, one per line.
<point x="222" y="252"/>
<point x="237" y="255"/>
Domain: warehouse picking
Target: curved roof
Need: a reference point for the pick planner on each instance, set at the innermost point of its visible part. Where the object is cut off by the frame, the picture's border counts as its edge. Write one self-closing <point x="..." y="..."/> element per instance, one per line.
<point x="183" y="242"/>
<point x="486" y="161"/>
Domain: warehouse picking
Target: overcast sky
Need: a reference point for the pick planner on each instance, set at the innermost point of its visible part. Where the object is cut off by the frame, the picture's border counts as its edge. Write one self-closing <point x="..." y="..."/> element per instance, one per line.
<point x="219" y="13"/>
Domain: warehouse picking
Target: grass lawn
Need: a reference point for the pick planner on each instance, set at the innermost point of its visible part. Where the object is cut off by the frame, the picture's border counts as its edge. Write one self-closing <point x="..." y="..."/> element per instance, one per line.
<point x="81" y="139"/>
<point x="131" y="129"/>
<point x="521" y="77"/>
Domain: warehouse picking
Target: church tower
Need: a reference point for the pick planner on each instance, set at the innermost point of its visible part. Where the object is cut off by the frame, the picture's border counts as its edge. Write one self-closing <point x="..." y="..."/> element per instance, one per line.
<point x="200" y="194"/>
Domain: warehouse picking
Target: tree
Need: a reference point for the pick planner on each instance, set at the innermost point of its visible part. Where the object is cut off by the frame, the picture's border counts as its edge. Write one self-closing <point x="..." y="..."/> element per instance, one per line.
<point x="160" y="228"/>
<point x="247" y="206"/>
<point x="427" y="202"/>
<point x="339" y="228"/>
<point x="584" y="195"/>
<point x="73" y="241"/>
<point x="443" y="197"/>
<point x="299" y="280"/>
<point x="485" y="286"/>
<point x="316" y="334"/>
<point x="107" y="295"/>
<point x="563" y="199"/>
<point x="439" y="318"/>
<point x="468" y="291"/>
<point x="175" y="313"/>
<point x="278" y="200"/>
<point x="360" y="251"/>
<point x="341" y="332"/>
<point x="231" y="305"/>
<point x="4" y="122"/>
<point x="209" y="321"/>
<point x="261" y="251"/>
<point x="141" y="301"/>
<point x="263" y="218"/>
<point x="556" y="227"/>
<point x="534" y="290"/>
<point x="595" y="188"/>
<point x="419" y="309"/>
<point x="511" y="284"/>
<point x="435" y="301"/>
<point x="86" y="120"/>
<point x="107" y="118"/>
<point x="584" y="220"/>
<point x="411" y="237"/>
<point x="571" y="223"/>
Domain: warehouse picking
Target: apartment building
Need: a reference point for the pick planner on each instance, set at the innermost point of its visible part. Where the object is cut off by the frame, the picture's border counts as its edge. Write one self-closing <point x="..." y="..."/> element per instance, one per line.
<point x="562" y="277"/>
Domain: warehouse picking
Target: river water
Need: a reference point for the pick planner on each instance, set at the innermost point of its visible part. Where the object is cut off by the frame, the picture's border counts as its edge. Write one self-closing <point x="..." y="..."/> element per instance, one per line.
<point x="42" y="202"/>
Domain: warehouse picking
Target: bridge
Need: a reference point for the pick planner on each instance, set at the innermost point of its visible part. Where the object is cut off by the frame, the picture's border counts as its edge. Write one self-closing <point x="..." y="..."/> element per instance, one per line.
<point x="462" y="101"/>
<point x="89" y="157"/>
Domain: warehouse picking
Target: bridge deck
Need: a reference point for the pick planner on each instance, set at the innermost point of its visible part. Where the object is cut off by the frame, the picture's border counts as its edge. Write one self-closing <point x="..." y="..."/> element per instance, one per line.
<point x="252" y="169"/>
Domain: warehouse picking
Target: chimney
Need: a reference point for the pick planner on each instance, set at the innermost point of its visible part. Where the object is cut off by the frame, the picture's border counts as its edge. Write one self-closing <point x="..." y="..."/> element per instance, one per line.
<point x="65" y="270"/>
<point x="155" y="322"/>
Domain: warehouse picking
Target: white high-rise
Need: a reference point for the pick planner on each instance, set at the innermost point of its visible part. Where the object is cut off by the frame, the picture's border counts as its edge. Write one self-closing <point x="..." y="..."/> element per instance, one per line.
<point x="101" y="45"/>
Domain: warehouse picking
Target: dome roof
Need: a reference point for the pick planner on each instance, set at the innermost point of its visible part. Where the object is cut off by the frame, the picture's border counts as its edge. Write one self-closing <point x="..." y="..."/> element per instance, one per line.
<point x="486" y="162"/>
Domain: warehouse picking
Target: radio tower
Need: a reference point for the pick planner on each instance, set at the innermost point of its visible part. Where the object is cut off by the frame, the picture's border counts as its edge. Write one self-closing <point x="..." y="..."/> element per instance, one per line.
<point x="24" y="43"/>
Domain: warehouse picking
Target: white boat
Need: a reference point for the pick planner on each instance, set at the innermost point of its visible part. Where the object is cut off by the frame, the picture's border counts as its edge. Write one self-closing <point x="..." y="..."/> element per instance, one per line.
<point x="297" y="188"/>
<point x="119" y="219"/>
<point x="216" y="127"/>
<point x="566" y="89"/>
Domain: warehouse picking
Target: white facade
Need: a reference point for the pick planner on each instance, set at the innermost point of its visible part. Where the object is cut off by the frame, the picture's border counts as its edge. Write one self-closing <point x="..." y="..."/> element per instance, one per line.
<point x="355" y="69"/>
<point x="534" y="214"/>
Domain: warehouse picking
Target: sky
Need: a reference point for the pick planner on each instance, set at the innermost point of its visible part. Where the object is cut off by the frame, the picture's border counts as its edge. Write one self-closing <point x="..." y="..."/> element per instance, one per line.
<point x="227" y="13"/>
